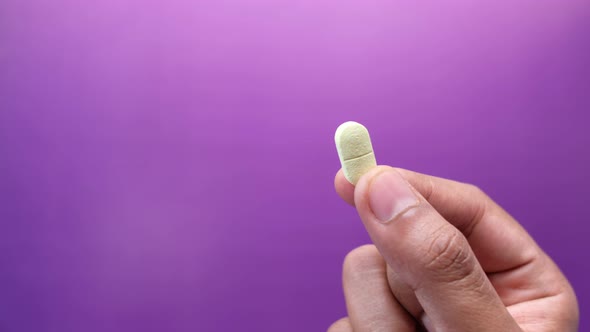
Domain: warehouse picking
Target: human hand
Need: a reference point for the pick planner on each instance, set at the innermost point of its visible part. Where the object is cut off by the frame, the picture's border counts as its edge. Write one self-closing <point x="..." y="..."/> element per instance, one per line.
<point x="445" y="258"/>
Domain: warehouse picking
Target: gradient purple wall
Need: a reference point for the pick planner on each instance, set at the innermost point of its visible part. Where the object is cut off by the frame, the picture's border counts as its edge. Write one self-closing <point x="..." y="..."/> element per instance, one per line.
<point x="168" y="165"/>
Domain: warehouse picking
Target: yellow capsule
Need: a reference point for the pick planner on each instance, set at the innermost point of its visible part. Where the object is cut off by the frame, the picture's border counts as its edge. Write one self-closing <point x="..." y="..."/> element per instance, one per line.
<point x="354" y="150"/>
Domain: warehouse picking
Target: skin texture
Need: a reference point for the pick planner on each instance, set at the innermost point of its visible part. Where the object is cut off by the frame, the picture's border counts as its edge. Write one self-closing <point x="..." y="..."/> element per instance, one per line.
<point x="453" y="261"/>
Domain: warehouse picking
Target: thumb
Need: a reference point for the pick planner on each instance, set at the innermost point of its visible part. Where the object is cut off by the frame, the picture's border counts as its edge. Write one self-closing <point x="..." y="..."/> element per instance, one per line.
<point x="430" y="255"/>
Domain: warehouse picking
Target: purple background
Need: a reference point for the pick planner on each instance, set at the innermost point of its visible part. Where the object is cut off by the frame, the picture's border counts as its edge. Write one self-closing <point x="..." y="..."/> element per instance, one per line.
<point x="168" y="165"/>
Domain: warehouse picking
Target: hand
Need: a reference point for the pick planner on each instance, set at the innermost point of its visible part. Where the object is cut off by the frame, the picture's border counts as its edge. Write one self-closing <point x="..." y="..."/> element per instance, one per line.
<point x="445" y="258"/>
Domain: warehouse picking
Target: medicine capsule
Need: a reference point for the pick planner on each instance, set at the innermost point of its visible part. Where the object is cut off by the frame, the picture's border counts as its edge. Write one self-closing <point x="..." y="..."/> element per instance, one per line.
<point x="355" y="150"/>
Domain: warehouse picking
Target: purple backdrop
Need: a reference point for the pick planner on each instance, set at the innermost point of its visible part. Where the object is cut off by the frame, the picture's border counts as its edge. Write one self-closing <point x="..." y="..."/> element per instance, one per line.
<point x="168" y="165"/>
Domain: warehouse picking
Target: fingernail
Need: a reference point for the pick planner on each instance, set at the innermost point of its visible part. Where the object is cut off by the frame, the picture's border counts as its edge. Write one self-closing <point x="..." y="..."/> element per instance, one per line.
<point x="390" y="195"/>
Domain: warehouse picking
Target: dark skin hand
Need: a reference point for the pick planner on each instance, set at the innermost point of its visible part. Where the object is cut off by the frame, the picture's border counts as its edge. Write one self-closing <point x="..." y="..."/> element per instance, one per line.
<point x="445" y="257"/>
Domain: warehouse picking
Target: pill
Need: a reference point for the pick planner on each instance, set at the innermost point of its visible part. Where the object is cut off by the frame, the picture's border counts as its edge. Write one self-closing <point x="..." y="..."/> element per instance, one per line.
<point x="355" y="151"/>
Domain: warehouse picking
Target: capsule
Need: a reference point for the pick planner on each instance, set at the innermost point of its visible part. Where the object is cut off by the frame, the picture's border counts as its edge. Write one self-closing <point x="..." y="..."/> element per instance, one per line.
<point x="355" y="151"/>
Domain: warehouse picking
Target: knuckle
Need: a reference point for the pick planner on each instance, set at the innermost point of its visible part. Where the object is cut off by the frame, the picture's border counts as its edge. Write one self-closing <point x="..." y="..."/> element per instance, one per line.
<point x="478" y="207"/>
<point x="475" y="191"/>
<point x="448" y="256"/>
<point x="361" y="260"/>
<point x="474" y="188"/>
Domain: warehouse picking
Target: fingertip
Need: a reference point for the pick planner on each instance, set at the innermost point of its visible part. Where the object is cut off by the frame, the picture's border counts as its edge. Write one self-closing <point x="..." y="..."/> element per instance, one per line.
<point x="362" y="186"/>
<point x="344" y="188"/>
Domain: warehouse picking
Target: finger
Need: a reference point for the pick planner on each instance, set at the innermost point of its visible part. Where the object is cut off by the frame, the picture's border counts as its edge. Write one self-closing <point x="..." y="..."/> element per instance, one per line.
<point x="341" y="325"/>
<point x="404" y="294"/>
<point x="401" y="291"/>
<point x="498" y="241"/>
<point x="344" y="188"/>
<point x="371" y="305"/>
<point x="430" y="255"/>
